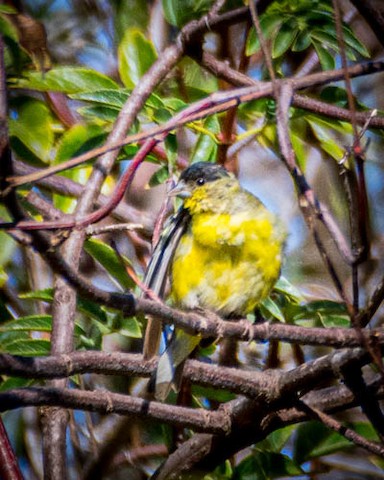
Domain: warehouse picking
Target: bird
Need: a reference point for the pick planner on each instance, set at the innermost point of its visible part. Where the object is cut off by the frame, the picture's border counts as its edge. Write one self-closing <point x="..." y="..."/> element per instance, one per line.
<point x="221" y="252"/>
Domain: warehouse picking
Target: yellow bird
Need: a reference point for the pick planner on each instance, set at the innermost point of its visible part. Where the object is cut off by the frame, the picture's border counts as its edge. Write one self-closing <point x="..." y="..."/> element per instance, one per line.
<point x="222" y="251"/>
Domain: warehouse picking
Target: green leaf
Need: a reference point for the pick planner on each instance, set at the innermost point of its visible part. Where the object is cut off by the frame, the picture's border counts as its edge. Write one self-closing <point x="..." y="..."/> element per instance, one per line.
<point x="160" y="115"/>
<point x="87" y="307"/>
<point x="327" y="61"/>
<point x="302" y="41"/>
<point x="324" y="131"/>
<point x="7" y="243"/>
<point x="27" y="347"/>
<point x="136" y="55"/>
<point x="94" y="338"/>
<point x="352" y="41"/>
<point x="41" y="323"/>
<point x="206" y="146"/>
<point x="159" y="177"/>
<point x="214" y="394"/>
<point x="308" y="437"/>
<point x="130" y="13"/>
<point x="7" y="9"/>
<point x="110" y="97"/>
<point x="109" y="259"/>
<point x="325" y="37"/>
<point x="277" y="439"/>
<point x="33" y="127"/>
<point x="3" y="277"/>
<point x="284" y="39"/>
<point x="336" y="95"/>
<point x="130" y="327"/>
<point x="197" y="80"/>
<point x="179" y="12"/>
<point x="66" y="80"/>
<point x="335" y="321"/>
<point x="288" y="289"/>
<point x="15" y="382"/>
<point x="45" y="295"/>
<point x="222" y="472"/>
<point x="106" y="104"/>
<point x="91" y="309"/>
<point x="99" y="114"/>
<point x="7" y="29"/>
<point x="329" y="313"/>
<point x="266" y="465"/>
<point x="269" y="308"/>
<point x="75" y="141"/>
<point x="174" y="104"/>
<point x="33" y="323"/>
<point x="269" y="24"/>
<point x="300" y="148"/>
<point x="314" y="440"/>
<point x="171" y="149"/>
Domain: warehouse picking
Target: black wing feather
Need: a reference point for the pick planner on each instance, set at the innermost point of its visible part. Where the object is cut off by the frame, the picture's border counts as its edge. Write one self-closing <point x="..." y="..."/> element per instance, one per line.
<point x="157" y="273"/>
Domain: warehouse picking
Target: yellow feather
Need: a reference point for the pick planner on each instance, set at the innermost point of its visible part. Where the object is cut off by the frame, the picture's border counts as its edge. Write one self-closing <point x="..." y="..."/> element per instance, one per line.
<point x="230" y="257"/>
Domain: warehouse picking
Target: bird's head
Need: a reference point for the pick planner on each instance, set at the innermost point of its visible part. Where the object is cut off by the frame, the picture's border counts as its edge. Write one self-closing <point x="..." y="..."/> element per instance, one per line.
<point x="196" y="176"/>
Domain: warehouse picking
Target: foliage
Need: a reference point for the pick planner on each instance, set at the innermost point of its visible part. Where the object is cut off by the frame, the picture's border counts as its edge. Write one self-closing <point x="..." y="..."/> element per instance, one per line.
<point x="68" y="110"/>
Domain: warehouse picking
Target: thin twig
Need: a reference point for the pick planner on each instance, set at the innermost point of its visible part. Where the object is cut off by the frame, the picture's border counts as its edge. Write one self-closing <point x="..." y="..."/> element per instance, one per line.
<point x="263" y="43"/>
<point x="306" y="199"/>
<point x="218" y="102"/>
<point x="118" y="227"/>
<point x="346" y="432"/>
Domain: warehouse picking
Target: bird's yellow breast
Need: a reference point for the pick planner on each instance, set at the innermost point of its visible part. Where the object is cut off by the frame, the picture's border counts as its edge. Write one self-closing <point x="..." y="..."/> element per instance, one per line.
<point x="229" y="258"/>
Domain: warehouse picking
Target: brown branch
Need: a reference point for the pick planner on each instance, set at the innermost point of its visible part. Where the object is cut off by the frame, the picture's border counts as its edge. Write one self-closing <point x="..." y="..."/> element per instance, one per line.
<point x="346" y="432"/>
<point x="66" y="186"/>
<point x="374" y="15"/>
<point x="354" y="380"/>
<point x="212" y="421"/>
<point x="263" y="44"/>
<point x="238" y="79"/>
<point x="64" y="304"/>
<point x="269" y="384"/>
<point x="222" y="70"/>
<point x="375" y="301"/>
<point x="307" y="202"/>
<point x="338" y="113"/>
<point x="107" y="402"/>
<point x="358" y="216"/>
<point x="244" y="330"/>
<point x="203" y="452"/>
<point x="9" y="468"/>
<point x="269" y="389"/>
<point x="215" y="103"/>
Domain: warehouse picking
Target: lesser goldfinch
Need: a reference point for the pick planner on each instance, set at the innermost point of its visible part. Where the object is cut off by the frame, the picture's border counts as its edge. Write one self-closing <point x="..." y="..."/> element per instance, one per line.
<point x="222" y="251"/>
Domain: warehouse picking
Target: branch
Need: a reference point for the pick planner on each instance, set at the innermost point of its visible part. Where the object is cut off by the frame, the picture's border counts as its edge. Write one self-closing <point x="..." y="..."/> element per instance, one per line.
<point x="245" y="331"/>
<point x="106" y="403"/>
<point x="215" y="103"/>
<point x="346" y="432"/>
<point x="269" y="385"/>
<point x="9" y="468"/>
<point x="373" y="15"/>
<point x="203" y="452"/>
<point x="65" y="186"/>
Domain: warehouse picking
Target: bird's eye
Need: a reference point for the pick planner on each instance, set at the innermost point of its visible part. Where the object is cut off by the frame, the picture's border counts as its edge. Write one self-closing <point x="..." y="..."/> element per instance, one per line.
<point x="200" y="181"/>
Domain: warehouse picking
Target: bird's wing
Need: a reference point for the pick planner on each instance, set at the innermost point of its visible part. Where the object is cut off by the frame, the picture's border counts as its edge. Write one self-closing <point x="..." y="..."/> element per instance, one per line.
<point x="171" y="362"/>
<point x="157" y="273"/>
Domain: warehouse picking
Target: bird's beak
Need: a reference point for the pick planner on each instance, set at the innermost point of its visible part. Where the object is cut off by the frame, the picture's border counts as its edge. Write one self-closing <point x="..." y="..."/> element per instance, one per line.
<point x="180" y="190"/>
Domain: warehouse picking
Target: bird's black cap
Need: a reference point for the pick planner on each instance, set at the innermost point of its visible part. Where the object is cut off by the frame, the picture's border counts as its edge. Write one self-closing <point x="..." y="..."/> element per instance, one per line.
<point x="205" y="171"/>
